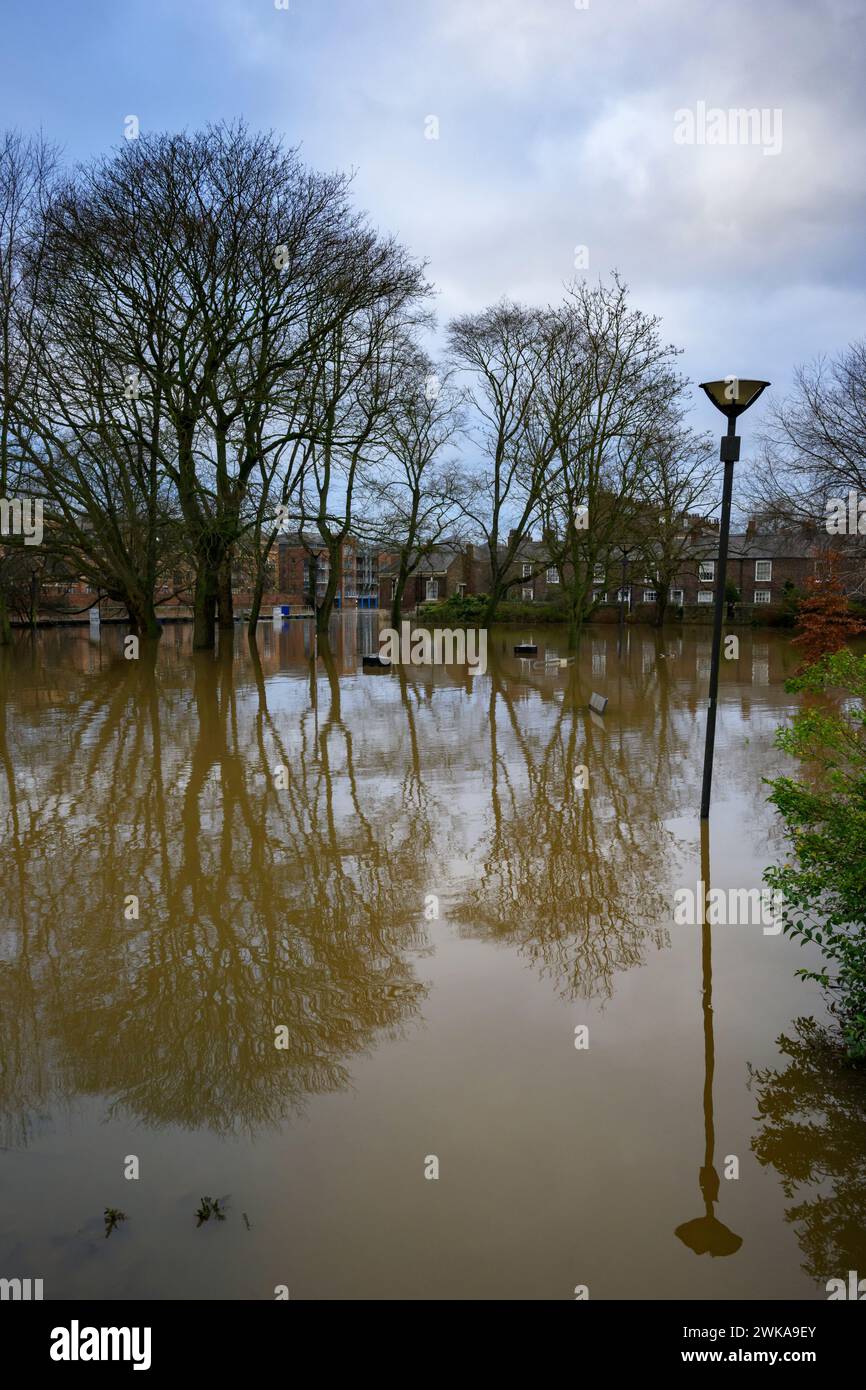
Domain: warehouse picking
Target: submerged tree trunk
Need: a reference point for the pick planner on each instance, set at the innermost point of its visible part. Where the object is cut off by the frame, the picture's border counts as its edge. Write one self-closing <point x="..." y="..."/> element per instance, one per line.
<point x="255" y="608"/>
<point x="204" y="609"/>
<point x="497" y="593"/>
<point x="399" y="592"/>
<point x="225" y="600"/>
<point x="324" y="611"/>
<point x="5" y="624"/>
<point x="661" y="604"/>
<point x="262" y="575"/>
<point x="142" y="616"/>
<point x="578" y="606"/>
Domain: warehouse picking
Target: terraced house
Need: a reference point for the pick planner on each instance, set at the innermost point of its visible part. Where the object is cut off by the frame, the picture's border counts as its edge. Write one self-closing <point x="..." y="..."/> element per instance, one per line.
<point x="765" y="567"/>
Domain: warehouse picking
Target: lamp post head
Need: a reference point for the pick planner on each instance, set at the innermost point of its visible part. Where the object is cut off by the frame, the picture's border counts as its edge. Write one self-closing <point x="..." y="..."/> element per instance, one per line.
<point x="733" y="395"/>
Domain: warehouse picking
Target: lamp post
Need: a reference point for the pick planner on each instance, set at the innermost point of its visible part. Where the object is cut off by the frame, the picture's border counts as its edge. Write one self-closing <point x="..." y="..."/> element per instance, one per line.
<point x="732" y="397"/>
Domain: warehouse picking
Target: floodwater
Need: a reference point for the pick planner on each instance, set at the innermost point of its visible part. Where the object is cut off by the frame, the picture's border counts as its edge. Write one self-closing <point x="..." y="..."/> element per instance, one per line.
<point x="397" y="877"/>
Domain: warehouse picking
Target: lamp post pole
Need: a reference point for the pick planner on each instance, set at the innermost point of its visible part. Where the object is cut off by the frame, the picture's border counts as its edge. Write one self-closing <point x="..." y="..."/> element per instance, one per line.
<point x="731" y="396"/>
<point x="730" y="452"/>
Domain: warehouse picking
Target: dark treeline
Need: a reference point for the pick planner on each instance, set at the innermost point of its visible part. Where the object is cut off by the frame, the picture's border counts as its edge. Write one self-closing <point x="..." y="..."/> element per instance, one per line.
<point x="205" y="342"/>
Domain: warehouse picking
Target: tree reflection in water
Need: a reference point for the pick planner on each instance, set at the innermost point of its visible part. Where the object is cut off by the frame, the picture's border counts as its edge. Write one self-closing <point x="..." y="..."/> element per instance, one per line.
<point x="563" y="874"/>
<point x="813" y="1132"/>
<point x="258" y="907"/>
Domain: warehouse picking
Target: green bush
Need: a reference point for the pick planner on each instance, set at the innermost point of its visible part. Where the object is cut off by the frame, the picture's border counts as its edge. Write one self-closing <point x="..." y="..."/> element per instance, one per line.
<point x="824" y="883"/>
<point x="470" y="609"/>
<point x="513" y="611"/>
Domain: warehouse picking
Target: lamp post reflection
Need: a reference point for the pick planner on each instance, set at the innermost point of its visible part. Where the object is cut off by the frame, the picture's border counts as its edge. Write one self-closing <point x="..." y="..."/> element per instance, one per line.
<point x="707" y="1234"/>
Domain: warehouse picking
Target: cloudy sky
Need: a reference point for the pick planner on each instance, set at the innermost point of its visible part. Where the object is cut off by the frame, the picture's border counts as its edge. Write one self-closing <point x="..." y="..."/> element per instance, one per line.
<point x="555" y="128"/>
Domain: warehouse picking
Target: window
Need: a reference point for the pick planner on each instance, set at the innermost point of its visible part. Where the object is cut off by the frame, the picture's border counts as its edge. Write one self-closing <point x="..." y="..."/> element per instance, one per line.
<point x="600" y="596"/>
<point x="527" y="570"/>
<point x="598" y="573"/>
<point x="432" y="588"/>
<point x="677" y="598"/>
<point x="553" y="576"/>
<point x="707" y="571"/>
<point x="762" y="596"/>
<point x="623" y="596"/>
<point x="763" y="571"/>
<point x="393" y="588"/>
<point x="461" y="590"/>
<point x="704" y="596"/>
<point x="649" y="595"/>
<point x="528" y="595"/>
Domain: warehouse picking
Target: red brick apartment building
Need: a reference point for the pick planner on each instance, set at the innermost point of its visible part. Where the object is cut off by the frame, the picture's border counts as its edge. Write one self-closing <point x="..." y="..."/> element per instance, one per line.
<point x="303" y="560"/>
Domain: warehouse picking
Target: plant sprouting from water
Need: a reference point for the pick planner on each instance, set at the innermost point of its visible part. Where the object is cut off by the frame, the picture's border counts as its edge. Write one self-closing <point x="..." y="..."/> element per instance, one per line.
<point x="210" y="1207"/>
<point x="113" y="1218"/>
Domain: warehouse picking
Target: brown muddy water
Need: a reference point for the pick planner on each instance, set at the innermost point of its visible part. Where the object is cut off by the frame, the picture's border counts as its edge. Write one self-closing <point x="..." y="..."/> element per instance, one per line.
<point x="307" y="901"/>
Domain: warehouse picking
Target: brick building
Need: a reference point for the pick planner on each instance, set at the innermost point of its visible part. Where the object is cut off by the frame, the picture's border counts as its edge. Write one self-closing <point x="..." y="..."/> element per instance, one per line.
<point x="447" y="569"/>
<point x="303" y="561"/>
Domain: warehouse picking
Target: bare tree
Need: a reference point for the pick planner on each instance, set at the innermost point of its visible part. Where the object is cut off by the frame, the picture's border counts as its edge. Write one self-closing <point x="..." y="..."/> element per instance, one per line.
<point x="359" y="365"/>
<point x="814" y="450"/>
<point x="415" y="497"/>
<point x="219" y="265"/>
<point x="95" y="442"/>
<point x="27" y="171"/>
<point x="608" y="384"/>
<point x="679" y="487"/>
<point x="503" y="350"/>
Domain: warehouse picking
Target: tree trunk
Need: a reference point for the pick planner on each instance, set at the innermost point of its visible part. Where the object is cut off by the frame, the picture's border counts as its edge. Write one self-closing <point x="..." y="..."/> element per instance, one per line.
<point x="204" y="608"/>
<point x="399" y="592"/>
<point x="323" y="614"/>
<point x="225" y="602"/>
<point x="34" y="599"/>
<point x="142" y="617"/>
<point x="493" y="602"/>
<point x="256" y="608"/>
<point x="661" y="605"/>
<point x="5" y="625"/>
